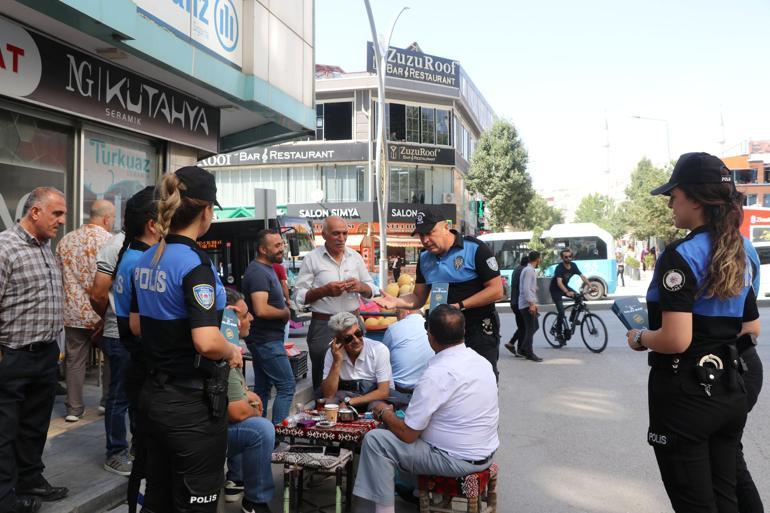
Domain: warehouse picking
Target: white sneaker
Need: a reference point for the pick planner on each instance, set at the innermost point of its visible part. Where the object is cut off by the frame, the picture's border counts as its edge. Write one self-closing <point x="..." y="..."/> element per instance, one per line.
<point x="233" y="491"/>
<point x="72" y="418"/>
<point x="101" y="409"/>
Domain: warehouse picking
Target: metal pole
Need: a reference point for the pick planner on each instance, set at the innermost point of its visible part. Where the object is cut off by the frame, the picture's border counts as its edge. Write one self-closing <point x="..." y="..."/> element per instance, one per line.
<point x="382" y="173"/>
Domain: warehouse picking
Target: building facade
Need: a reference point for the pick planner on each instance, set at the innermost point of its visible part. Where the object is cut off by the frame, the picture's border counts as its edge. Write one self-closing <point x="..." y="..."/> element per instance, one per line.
<point x="100" y="99"/>
<point x="751" y="172"/>
<point x="434" y="116"/>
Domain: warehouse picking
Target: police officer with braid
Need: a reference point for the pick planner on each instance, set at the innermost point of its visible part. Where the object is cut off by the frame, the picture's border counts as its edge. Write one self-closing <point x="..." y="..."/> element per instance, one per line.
<point x="179" y="300"/>
<point x="469" y="267"/>
<point x="700" y="302"/>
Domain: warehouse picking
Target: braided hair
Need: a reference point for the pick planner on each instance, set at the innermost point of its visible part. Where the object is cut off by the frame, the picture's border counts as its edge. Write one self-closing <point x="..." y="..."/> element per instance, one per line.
<point x="175" y="211"/>
<point x="140" y="208"/>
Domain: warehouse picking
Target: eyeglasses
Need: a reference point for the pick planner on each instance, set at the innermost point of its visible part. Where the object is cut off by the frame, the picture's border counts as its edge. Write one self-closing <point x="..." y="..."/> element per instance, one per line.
<point x="349" y="338"/>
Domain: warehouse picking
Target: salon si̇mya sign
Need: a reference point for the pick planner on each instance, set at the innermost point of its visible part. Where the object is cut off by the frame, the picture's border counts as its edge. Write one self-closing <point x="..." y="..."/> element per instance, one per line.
<point x="38" y="70"/>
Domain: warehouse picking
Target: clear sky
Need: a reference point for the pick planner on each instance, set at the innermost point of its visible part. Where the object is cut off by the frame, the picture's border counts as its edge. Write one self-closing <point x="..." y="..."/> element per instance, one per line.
<point x="558" y="69"/>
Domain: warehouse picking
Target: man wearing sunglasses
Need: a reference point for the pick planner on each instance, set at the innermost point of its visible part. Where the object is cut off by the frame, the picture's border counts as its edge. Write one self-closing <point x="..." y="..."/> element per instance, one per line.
<point x="354" y="366"/>
<point x="560" y="287"/>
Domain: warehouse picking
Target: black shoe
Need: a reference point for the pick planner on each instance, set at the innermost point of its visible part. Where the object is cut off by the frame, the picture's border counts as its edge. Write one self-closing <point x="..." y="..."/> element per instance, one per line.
<point x="254" y="507"/>
<point x="44" y="490"/>
<point x="60" y="390"/>
<point x="519" y="354"/>
<point x="533" y="357"/>
<point x="510" y="347"/>
<point x="26" y="505"/>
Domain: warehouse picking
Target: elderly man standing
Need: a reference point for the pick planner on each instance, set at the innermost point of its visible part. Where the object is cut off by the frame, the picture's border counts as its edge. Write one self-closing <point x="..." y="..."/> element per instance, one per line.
<point x="330" y="281"/>
<point x="30" y="325"/>
<point x="76" y="253"/>
<point x="355" y="367"/>
<point x="450" y="428"/>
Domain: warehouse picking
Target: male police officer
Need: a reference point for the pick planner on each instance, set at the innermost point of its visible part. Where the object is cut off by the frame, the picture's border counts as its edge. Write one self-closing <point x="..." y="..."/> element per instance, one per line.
<point x="470" y="268"/>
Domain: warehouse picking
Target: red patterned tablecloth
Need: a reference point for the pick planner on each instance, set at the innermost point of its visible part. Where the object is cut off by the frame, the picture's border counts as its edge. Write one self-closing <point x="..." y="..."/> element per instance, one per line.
<point x="349" y="432"/>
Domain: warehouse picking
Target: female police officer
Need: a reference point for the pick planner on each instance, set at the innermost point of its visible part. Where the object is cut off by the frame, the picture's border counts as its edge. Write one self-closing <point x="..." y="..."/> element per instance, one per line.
<point x="180" y="299"/>
<point x="700" y="301"/>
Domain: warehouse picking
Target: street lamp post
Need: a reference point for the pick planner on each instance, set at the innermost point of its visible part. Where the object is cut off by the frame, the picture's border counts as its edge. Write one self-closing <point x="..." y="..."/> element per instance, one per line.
<point x="382" y="175"/>
<point x="668" y="135"/>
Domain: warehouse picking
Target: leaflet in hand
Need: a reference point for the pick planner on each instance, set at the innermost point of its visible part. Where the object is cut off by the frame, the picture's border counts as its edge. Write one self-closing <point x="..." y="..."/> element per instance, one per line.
<point x="229" y="326"/>
<point x="631" y="312"/>
<point x="439" y="293"/>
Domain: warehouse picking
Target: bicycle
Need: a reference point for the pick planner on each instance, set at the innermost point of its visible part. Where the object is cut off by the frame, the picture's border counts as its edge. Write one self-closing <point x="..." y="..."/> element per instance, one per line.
<point x="592" y="328"/>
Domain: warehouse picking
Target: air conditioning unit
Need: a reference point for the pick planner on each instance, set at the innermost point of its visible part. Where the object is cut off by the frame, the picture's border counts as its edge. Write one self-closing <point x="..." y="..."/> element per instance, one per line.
<point x="448" y="197"/>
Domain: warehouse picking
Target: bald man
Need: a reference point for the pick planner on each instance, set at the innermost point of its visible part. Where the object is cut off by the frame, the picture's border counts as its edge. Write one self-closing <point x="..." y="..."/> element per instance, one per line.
<point x="76" y="253"/>
<point x="330" y="281"/>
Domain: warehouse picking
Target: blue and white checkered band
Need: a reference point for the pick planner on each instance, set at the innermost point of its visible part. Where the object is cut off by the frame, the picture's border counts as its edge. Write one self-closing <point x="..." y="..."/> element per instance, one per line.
<point x="204" y="295"/>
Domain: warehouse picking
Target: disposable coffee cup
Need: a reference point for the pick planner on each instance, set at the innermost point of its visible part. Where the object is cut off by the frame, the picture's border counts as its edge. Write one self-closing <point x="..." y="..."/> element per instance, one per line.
<point x="331" y="411"/>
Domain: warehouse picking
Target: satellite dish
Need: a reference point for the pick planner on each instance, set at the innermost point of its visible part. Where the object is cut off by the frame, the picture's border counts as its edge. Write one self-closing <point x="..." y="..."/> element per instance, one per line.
<point x="317" y="195"/>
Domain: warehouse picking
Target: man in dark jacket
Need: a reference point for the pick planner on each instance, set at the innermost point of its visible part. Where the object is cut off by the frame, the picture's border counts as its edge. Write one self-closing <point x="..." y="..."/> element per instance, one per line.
<point x="511" y="345"/>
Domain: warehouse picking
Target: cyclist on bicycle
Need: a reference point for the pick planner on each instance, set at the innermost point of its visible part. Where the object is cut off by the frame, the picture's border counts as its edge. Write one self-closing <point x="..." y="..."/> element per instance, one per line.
<point x="560" y="287"/>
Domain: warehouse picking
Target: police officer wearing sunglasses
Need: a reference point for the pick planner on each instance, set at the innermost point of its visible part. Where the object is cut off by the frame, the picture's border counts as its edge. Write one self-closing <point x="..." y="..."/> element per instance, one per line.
<point x="701" y="302"/>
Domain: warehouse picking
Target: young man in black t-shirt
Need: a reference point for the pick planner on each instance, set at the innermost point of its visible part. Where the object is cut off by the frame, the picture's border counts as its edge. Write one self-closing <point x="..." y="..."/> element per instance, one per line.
<point x="560" y="287"/>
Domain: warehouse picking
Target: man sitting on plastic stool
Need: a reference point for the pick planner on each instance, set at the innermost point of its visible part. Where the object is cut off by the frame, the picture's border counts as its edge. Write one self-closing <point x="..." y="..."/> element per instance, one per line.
<point x="450" y="428"/>
<point x="250" y="437"/>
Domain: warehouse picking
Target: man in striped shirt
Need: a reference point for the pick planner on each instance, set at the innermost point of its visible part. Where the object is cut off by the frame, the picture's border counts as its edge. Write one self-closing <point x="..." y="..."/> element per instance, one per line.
<point x="31" y="298"/>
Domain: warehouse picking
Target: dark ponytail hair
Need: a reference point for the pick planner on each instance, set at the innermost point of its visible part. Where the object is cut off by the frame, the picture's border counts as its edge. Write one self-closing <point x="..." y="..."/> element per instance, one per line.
<point x="140" y="208"/>
<point x="723" y="215"/>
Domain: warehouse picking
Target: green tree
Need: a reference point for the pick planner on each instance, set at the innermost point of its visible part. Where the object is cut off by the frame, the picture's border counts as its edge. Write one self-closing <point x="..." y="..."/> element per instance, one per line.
<point x="540" y="215"/>
<point x="603" y="211"/>
<point x="499" y="172"/>
<point x="648" y="216"/>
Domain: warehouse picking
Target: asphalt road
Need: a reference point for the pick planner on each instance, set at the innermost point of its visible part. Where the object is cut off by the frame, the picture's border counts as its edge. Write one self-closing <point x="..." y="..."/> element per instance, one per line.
<point x="573" y="432"/>
<point x="573" y="429"/>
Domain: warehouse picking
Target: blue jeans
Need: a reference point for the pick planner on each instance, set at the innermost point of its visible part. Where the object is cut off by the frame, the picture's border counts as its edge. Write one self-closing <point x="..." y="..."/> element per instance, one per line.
<point x="272" y="368"/>
<point x="249" y="448"/>
<point x="116" y="408"/>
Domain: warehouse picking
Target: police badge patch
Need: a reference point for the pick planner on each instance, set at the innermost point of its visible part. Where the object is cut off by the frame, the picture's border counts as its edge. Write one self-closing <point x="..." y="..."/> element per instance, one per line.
<point x="459" y="262"/>
<point x="673" y="280"/>
<point x="204" y="295"/>
<point x="492" y="263"/>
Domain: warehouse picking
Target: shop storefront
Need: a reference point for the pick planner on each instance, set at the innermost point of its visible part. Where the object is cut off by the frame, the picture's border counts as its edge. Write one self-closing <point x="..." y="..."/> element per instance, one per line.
<point x="79" y="111"/>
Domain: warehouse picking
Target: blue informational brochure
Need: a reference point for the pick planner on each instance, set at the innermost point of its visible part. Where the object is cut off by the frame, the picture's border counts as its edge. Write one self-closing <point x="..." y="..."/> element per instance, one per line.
<point x="229" y="326"/>
<point x="439" y="293"/>
<point x="631" y="312"/>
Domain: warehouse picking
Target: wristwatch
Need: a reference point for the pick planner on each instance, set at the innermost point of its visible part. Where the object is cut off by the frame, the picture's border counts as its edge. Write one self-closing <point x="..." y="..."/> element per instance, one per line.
<point x="638" y="337"/>
<point x="461" y="305"/>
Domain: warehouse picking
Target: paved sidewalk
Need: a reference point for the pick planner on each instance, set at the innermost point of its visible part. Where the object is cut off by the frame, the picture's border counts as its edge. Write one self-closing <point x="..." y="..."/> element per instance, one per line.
<point x="74" y="453"/>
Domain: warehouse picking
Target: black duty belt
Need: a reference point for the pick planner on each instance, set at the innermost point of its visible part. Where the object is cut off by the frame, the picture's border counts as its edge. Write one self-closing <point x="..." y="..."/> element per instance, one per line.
<point x="679" y="361"/>
<point x="165" y="379"/>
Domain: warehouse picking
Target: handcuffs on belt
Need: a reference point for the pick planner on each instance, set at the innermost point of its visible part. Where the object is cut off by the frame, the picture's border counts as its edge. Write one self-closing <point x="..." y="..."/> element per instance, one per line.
<point x="709" y="369"/>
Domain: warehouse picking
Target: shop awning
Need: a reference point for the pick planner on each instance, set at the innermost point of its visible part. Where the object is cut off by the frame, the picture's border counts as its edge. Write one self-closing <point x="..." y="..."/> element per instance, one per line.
<point x="354" y="241"/>
<point x="401" y="242"/>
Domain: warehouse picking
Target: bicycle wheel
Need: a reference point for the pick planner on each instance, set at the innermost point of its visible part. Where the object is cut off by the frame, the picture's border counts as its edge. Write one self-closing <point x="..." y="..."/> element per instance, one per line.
<point x="549" y="329"/>
<point x="594" y="333"/>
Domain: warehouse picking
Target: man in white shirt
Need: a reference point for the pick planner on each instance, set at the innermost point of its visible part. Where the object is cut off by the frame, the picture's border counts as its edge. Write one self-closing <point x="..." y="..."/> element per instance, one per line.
<point x="450" y="428"/>
<point x="354" y="366"/>
<point x="330" y="281"/>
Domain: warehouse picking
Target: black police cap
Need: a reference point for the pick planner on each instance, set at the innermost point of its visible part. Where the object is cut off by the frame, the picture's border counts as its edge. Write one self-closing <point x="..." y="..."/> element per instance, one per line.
<point x="199" y="182"/>
<point x="695" y="168"/>
<point x="143" y="203"/>
<point x="425" y="220"/>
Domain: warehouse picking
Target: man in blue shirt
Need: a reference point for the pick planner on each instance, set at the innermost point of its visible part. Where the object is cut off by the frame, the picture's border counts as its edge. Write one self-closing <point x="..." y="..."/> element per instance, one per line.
<point x="410" y="351"/>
